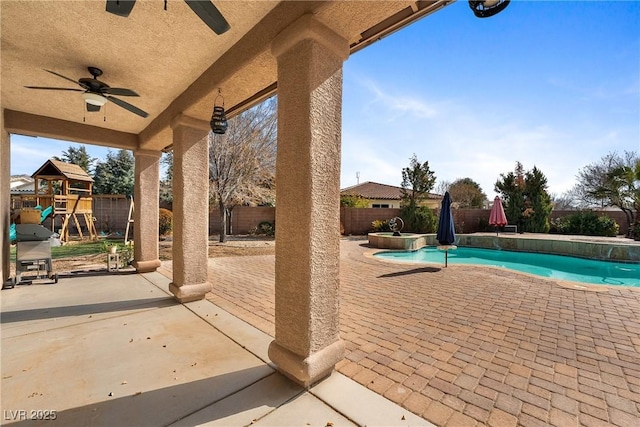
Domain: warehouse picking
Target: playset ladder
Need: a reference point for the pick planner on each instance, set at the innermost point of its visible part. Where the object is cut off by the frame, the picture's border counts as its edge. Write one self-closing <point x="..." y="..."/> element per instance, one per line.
<point x="129" y="222"/>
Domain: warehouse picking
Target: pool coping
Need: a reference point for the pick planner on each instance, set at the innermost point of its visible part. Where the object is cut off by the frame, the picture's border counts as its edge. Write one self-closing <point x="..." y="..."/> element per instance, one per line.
<point x="567" y="284"/>
<point x="586" y="247"/>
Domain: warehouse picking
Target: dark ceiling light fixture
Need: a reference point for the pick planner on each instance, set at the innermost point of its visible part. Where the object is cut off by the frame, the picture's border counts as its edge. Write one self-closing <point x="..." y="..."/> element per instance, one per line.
<point x="487" y="8"/>
<point x="218" y="118"/>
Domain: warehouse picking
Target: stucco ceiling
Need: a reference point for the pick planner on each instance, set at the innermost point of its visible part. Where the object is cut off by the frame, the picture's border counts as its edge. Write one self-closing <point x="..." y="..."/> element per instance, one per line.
<point x="169" y="57"/>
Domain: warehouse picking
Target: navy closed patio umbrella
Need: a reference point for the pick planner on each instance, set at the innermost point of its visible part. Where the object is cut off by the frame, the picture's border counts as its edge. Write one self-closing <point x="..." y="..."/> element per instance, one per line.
<point x="446" y="232"/>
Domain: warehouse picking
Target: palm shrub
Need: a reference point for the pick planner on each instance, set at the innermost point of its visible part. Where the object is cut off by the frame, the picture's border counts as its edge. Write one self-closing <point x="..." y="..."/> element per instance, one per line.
<point x="380" y="225"/>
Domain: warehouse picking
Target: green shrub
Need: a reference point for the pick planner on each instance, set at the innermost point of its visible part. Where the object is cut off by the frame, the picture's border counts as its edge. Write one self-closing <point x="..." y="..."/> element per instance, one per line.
<point x="483" y="225"/>
<point x="380" y="225"/>
<point x="165" y="223"/>
<point x="419" y="219"/>
<point x="266" y="228"/>
<point x="126" y="254"/>
<point x="354" y="202"/>
<point x="586" y="223"/>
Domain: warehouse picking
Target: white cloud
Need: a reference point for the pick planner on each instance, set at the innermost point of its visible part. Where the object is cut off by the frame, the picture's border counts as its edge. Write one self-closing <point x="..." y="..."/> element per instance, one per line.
<point x="480" y="142"/>
<point x="28" y="154"/>
<point x="390" y="107"/>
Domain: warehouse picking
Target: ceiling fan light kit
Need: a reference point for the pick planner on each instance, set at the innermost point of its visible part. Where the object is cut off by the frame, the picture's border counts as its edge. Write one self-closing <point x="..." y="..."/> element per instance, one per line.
<point x="96" y="93"/>
<point x="94" y="99"/>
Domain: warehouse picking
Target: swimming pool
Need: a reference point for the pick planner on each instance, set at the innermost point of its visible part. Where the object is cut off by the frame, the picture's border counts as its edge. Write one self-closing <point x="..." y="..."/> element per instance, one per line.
<point x="545" y="265"/>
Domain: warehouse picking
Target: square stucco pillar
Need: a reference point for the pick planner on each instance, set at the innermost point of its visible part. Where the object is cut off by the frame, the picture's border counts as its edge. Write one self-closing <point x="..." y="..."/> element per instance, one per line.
<point x="190" y="209"/>
<point x="5" y="199"/>
<point x="146" y="210"/>
<point x="307" y="344"/>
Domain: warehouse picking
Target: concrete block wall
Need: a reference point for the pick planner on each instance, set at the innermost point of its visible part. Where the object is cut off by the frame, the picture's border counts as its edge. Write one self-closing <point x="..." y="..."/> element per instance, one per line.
<point x="112" y="211"/>
<point x="243" y="218"/>
<point x="357" y="221"/>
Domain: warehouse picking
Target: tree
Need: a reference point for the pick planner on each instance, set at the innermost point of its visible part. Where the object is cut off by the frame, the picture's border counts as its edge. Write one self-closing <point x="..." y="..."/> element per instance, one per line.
<point x="78" y="156"/>
<point x="116" y="174"/>
<point x="242" y="161"/>
<point x="564" y="202"/>
<point x="417" y="181"/>
<point x="442" y="187"/>
<point x="467" y="193"/>
<point x="512" y="189"/>
<point x="352" y="201"/>
<point x="613" y="181"/>
<point x="166" y="184"/>
<point x="526" y="200"/>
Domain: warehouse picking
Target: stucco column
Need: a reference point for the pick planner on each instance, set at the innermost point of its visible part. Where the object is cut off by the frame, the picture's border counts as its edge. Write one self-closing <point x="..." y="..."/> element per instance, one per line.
<point x="146" y="210"/>
<point x="5" y="199"/>
<point x="307" y="344"/>
<point x="190" y="209"/>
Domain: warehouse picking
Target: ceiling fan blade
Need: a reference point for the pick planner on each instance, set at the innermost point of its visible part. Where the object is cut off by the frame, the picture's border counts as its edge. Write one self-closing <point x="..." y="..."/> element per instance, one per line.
<point x="60" y="75"/>
<point x="92" y="108"/>
<point x="54" y="88"/>
<point x="121" y="92"/>
<point x="127" y="106"/>
<point x="120" y="7"/>
<point x="210" y="15"/>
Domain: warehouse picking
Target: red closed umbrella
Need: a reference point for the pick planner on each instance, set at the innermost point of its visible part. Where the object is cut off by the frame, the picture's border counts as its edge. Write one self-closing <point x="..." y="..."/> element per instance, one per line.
<point x="497" y="216"/>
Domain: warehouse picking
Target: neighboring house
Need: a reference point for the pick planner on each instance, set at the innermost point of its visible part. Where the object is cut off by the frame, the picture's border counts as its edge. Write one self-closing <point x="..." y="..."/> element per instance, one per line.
<point x="21" y="184"/>
<point x="385" y="196"/>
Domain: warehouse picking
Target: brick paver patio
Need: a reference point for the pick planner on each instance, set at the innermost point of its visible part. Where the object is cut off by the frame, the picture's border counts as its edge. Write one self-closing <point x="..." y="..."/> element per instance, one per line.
<point x="468" y="345"/>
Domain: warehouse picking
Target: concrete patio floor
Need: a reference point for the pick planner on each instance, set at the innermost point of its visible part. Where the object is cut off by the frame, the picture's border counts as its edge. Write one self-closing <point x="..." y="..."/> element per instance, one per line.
<point x="469" y="345"/>
<point x="117" y="350"/>
<point x="456" y="346"/>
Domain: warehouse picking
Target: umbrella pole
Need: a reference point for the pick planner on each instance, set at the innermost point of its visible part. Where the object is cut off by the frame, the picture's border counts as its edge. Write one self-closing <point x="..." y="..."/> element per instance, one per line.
<point x="446" y="258"/>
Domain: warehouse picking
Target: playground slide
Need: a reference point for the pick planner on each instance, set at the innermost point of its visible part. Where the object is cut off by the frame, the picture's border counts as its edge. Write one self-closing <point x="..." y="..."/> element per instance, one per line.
<point x="45" y="214"/>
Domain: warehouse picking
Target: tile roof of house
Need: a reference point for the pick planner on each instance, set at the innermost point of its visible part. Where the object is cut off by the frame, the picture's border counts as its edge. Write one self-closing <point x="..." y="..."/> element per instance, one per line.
<point x="20" y="180"/>
<point x="25" y="188"/>
<point x="374" y="190"/>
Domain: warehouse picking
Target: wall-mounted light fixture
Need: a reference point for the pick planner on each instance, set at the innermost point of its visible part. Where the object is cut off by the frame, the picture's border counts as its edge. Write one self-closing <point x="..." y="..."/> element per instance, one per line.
<point x="218" y="118"/>
<point x="487" y="8"/>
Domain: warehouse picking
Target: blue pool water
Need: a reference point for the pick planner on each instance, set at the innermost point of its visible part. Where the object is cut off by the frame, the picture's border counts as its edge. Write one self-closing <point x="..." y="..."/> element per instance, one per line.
<point x="545" y="265"/>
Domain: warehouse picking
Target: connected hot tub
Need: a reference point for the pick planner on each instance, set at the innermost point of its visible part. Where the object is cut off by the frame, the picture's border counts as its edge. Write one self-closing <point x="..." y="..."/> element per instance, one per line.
<point x="404" y="241"/>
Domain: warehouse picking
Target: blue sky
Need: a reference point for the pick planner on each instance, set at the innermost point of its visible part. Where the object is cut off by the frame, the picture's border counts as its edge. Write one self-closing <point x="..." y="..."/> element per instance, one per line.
<point x="551" y="84"/>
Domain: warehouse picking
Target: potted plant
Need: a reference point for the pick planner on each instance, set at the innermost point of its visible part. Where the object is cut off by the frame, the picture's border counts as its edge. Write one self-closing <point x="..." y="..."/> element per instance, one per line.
<point x="110" y="247"/>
